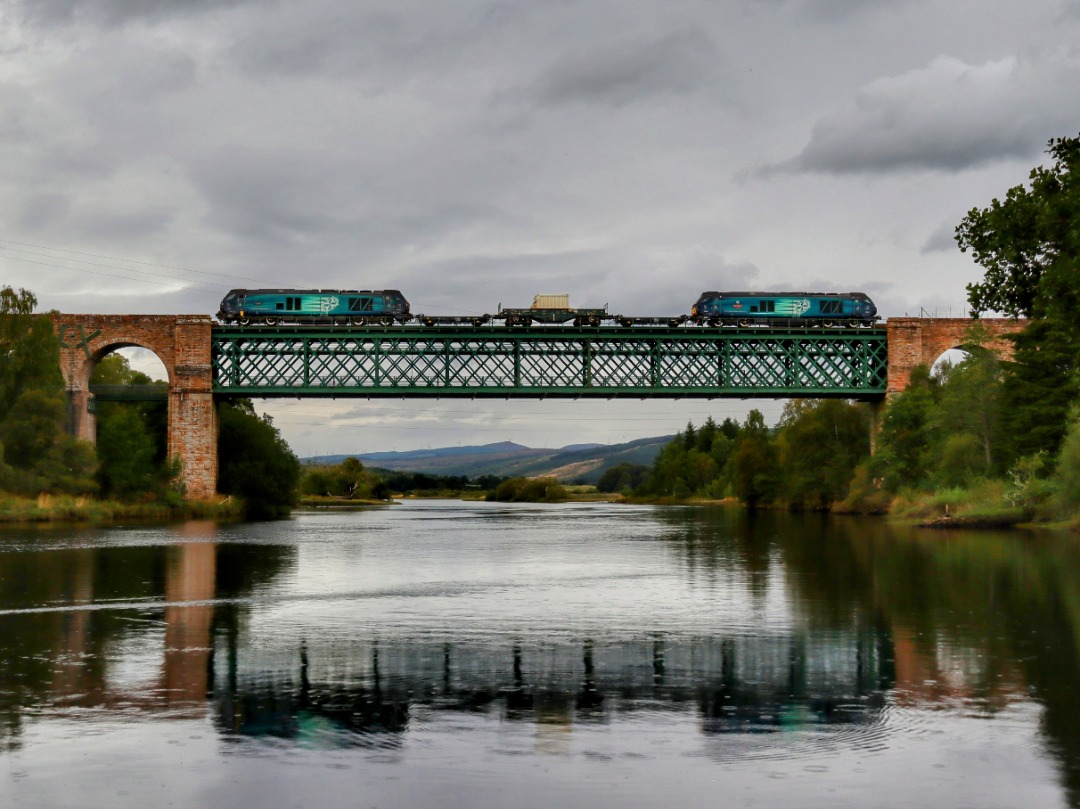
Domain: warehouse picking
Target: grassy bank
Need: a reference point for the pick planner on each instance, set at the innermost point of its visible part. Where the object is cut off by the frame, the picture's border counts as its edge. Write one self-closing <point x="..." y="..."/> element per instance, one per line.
<point x="313" y="501"/>
<point x="61" y="508"/>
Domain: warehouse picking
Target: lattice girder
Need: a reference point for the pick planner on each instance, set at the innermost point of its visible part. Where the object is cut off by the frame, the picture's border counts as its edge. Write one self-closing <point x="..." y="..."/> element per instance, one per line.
<point x="565" y="362"/>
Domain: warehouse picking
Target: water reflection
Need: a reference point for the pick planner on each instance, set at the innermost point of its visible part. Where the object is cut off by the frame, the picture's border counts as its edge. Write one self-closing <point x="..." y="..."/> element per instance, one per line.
<point x="367" y="692"/>
<point x="868" y="626"/>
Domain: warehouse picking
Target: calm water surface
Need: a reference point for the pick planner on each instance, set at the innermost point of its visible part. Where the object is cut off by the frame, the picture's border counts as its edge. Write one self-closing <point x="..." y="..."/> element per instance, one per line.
<point x="485" y="655"/>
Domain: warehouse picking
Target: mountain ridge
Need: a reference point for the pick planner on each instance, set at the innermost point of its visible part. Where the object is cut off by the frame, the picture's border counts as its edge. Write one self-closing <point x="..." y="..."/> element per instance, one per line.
<point x="584" y="462"/>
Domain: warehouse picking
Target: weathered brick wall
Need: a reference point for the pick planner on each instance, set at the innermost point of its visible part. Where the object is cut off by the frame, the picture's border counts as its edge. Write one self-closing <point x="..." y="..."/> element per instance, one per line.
<point x="182" y="343"/>
<point x="920" y="341"/>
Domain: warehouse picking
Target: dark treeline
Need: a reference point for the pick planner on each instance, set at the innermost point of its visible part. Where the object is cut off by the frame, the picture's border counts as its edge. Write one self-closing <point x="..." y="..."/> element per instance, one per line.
<point x="806" y="462"/>
<point x="351" y="480"/>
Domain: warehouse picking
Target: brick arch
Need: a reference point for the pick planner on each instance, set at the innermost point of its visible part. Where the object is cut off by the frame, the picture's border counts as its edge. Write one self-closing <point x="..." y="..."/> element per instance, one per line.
<point x="101" y="353"/>
<point x="182" y="343"/>
<point x="920" y="341"/>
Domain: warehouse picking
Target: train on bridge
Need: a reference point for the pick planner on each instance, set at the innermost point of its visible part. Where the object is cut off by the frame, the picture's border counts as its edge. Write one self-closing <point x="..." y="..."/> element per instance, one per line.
<point x="388" y="307"/>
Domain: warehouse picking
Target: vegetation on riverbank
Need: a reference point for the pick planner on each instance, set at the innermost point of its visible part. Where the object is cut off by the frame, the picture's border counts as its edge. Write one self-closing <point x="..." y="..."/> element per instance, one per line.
<point x="48" y="508"/>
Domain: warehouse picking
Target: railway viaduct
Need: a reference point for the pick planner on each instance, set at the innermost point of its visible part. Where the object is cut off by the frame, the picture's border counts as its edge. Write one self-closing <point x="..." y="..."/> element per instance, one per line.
<point x="186" y="346"/>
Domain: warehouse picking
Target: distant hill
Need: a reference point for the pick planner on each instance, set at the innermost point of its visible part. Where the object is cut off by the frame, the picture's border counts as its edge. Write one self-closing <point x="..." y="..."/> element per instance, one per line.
<point x="586" y="462"/>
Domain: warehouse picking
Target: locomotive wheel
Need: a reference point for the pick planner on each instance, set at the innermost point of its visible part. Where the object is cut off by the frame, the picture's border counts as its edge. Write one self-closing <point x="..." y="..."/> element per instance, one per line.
<point x="386" y="320"/>
<point x="243" y="321"/>
<point x="744" y="324"/>
<point x="626" y="323"/>
<point x="828" y="324"/>
<point x="594" y="321"/>
<point x="271" y="321"/>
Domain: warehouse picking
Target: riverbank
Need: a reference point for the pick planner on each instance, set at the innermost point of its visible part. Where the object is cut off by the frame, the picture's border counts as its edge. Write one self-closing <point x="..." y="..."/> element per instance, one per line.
<point x="47" y="508"/>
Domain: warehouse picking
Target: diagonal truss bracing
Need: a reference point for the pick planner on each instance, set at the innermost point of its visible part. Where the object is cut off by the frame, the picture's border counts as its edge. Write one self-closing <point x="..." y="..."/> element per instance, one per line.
<point x="503" y="362"/>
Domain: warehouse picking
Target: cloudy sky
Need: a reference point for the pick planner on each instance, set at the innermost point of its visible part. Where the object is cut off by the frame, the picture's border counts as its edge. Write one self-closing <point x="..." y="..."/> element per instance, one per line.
<point x="471" y="153"/>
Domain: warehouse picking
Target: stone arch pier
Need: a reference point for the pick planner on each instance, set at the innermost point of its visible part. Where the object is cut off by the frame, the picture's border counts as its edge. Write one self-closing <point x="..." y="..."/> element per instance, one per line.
<point x="920" y="341"/>
<point x="182" y="343"/>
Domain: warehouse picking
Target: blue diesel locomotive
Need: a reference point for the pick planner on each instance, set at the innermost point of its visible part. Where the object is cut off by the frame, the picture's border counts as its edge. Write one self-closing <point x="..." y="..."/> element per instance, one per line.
<point x="341" y="306"/>
<point x="388" y="307"/>
<point x="825" y="309"/>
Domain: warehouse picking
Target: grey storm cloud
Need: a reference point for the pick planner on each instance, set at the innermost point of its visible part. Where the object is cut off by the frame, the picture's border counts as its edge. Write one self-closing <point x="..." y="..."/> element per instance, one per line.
<point x="943" y="239"/>
<point x="834" y="10"/>
<point x="677" y="63"/>
<point x="116" y="12"/>
<point x="948" y="116"/>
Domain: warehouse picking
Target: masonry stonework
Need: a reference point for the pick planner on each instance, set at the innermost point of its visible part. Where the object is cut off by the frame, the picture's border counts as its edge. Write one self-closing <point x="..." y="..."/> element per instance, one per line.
<point x="182" y="343"/>
<point x="920" y="341"/>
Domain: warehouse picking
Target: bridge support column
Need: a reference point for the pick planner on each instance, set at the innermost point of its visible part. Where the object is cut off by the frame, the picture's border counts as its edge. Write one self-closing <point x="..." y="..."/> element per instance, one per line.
<point x="193" y="439"/>
<point x="82" y="423"/>
<point x="192" y="414"/>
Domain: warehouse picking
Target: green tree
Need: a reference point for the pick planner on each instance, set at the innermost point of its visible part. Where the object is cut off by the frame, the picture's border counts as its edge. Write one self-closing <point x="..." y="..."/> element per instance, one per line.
<point x="125" y="452"/>
<point x="960" y="460"/>
<point x="820" y="444"/>
<point x="753" y="464"/>
<point x="348" y="480"/>
<point x="43" y="457"/>
<point x="906" y="437"/>
<point x="1067" y="471"/>
<point x="131" y="437"/>
<point x="29" y="352"/>
<point x="666" y="469"/>
<point x="528" y="490"/>
<point x="38" y="454"/>
<point x="1040" y="384"/>
<point x="969" y="402"/>
<point x="1029" y="244"/>
<point x="255" y="463"/>
<point x="624" y="477"/>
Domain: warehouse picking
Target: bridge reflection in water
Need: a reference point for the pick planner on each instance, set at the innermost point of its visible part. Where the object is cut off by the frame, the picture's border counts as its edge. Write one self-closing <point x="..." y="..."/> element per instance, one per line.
<point x="366" y="693"/>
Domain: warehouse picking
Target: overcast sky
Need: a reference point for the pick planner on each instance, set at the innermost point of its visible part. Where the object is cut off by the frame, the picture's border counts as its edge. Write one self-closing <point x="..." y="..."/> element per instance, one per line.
<point x="630" y="152"/>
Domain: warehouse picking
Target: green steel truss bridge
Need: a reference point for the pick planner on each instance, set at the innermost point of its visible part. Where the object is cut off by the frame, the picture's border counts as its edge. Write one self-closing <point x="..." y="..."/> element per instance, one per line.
<point x="546" y="362"/>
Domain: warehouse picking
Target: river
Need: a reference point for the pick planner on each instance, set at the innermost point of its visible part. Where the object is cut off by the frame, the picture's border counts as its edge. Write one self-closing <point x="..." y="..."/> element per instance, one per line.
<point x="451" y="654"/>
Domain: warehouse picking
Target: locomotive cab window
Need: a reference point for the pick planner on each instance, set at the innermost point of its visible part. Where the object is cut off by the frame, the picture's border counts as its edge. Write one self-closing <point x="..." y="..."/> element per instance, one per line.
<point x="360" y="304"/>
<point x="831" y="307"/>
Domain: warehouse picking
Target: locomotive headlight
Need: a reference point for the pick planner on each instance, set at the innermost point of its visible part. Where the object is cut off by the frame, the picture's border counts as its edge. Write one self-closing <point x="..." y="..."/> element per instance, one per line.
<point x="693" y="310"/>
